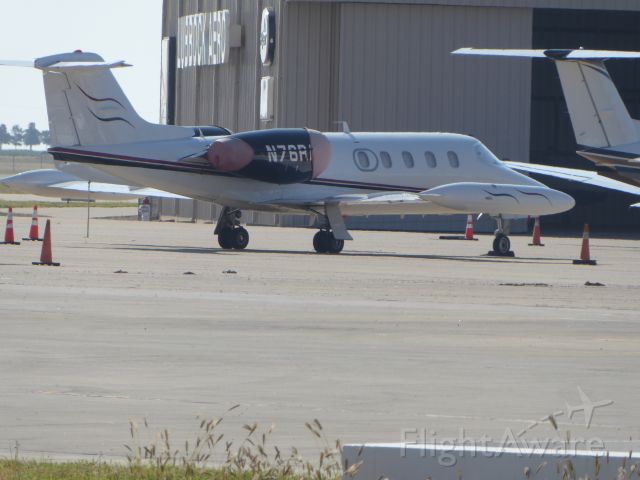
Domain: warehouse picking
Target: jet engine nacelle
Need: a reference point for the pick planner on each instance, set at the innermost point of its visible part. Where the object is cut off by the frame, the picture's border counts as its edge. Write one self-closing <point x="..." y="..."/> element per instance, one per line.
<point x="499" y="199"/>
<point x="279" y="156"/>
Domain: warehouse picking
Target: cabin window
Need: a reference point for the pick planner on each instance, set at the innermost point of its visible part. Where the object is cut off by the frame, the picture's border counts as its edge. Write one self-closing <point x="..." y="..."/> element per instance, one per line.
<point x="408" y="159"/>
<point x="431" y="159"/>
<point x="453" y="159"/>
<point x="385" y="159"/>
<point x="365" y="160"/>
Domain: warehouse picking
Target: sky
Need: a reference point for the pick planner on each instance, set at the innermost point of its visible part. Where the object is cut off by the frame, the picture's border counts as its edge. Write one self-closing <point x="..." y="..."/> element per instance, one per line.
<point x="116" y="29"/>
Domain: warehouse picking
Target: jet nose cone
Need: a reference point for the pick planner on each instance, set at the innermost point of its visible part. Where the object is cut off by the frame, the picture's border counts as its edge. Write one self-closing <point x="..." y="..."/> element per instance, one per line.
<point x="566" y="202"/>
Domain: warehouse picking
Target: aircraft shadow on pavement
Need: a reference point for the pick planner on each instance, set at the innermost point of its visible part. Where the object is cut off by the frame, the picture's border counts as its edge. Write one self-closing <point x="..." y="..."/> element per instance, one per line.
<point x="364" y="253"/>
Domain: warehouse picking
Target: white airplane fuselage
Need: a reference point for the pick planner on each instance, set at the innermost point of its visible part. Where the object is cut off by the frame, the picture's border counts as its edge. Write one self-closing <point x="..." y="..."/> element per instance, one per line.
<point x="402" y="162"/>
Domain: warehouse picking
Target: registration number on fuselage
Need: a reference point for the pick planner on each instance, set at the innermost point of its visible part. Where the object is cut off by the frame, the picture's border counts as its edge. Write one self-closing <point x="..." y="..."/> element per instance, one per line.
<point x="288" y="153"/>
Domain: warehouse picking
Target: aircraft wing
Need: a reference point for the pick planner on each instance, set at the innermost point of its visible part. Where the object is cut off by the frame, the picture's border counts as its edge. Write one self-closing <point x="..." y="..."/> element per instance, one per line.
<point x="380" y="203"/>
<point x="114" y="188"/>
<point x="459" y="197"/>
<point x="560" y="54"/>
<point x="575" y="175"/>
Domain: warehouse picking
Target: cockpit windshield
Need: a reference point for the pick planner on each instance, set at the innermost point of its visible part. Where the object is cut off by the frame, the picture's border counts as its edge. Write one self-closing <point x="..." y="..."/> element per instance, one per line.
<point x="485" y="155"/>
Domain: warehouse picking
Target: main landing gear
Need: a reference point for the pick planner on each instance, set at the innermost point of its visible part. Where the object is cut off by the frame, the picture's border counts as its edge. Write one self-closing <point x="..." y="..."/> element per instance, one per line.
<point x="325" y="242"/>
<point x="230" y="234"/>
<point x="501" y="242"/>
<point x="333" y="231"/>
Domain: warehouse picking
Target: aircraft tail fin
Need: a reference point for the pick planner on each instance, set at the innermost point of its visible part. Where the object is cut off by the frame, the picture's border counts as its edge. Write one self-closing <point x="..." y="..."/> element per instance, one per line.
<point x="598" y="114"/>
<point x="86" y="105"/>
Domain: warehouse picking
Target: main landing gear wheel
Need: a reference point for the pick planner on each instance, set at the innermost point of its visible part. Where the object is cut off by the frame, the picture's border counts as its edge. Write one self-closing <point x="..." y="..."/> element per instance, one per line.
<point x="230" y="233"/>
<point x="325" y="242"/>
<point x="240" y="238"/>
<point x="236" y="238"/>
<point x="502" y="246"/>
<point x="225" y="238"/>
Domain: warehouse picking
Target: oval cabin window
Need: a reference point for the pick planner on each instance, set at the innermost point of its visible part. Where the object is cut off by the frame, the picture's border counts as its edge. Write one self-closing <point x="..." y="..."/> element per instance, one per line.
<point x="453" y="159"/>
<point x="408" y="159"/>
<point x="365" y="160"/>
<point x="431" y="159"/>
<point x="385" y="159"/>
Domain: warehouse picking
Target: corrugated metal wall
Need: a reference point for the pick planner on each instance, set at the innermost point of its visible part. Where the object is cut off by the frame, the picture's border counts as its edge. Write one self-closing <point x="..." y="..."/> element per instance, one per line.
<point x="307" y="83"/>
<point x="397" y="72"/>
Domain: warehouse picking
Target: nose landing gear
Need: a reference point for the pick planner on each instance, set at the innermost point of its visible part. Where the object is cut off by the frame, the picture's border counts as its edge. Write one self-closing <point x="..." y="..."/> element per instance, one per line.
<point x="501" y="242"/>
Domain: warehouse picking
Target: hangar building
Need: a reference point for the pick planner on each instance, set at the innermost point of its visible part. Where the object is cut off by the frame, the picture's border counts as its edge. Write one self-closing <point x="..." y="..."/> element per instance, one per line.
<point x="386" y="66"/>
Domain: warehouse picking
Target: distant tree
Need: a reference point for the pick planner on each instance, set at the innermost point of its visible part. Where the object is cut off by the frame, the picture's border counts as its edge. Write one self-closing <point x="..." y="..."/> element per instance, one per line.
<point x="45" y="137"/>
<point x="16" y="135"/>
<point x="5" y="136"/>
<point x="31" y="136"/>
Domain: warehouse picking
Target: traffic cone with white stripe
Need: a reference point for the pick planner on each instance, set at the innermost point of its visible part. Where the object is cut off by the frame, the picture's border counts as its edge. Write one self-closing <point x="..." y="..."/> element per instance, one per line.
<point x="468" y="232"/>
<point x="45" y="256"/>
<point x="585" y="256"/>
<point x="33" y="231"/>
<point x="536" y="242"/>
<point x="8" y="233"/>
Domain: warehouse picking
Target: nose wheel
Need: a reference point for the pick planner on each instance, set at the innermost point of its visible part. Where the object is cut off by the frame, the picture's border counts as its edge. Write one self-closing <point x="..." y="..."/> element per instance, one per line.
<point x="501" y="246"/>
<point x="325" y="242"/>
<point x="501" y="242"/>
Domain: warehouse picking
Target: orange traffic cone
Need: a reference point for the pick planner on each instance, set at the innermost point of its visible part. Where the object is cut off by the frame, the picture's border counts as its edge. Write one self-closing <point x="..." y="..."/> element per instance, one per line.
<point x="45" y="256"/>
<point x="536" y="234"/>
<point x="585" y="258"/>
<point x="8" y="233"/>
<point x="33" y="231"/>
<point x="468" y="232"/>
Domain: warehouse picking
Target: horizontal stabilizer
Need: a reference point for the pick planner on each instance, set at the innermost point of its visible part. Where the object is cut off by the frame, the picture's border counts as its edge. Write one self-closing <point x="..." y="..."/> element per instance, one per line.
<point x="17" y="63"/>
<point x="554" y="54"/>
<point x="71" y="66"/>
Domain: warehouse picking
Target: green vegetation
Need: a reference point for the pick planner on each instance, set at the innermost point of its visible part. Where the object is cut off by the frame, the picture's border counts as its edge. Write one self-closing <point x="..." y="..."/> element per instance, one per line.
<point x="19" y="136"/>
<point x="38" y="470"/>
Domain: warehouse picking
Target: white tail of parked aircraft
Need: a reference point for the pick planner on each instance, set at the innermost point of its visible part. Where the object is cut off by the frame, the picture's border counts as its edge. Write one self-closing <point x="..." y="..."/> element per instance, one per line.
<point x="604" y="131"/>
<point x="86" y="106"/>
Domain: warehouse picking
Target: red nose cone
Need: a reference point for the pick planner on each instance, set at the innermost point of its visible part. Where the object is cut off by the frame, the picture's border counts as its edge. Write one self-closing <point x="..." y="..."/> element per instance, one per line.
<point x="229" y="154"/>
<point x="321" y="152"/>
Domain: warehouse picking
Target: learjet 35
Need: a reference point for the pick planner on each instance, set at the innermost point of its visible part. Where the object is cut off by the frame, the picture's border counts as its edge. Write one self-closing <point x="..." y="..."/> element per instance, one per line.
<point x="300" y="170"/>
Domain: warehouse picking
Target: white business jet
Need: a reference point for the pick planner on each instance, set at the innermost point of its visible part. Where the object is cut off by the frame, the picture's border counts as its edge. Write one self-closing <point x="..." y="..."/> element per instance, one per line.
<point x="283" y="170"/>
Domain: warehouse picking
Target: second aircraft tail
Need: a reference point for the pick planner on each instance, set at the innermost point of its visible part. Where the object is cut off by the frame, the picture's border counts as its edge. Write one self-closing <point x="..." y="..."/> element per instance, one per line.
<point x="598" y="114"/>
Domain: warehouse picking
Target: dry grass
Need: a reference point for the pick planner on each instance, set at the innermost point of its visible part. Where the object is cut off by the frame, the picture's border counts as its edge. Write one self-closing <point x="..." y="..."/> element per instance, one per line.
<point x="253" y="458"/>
